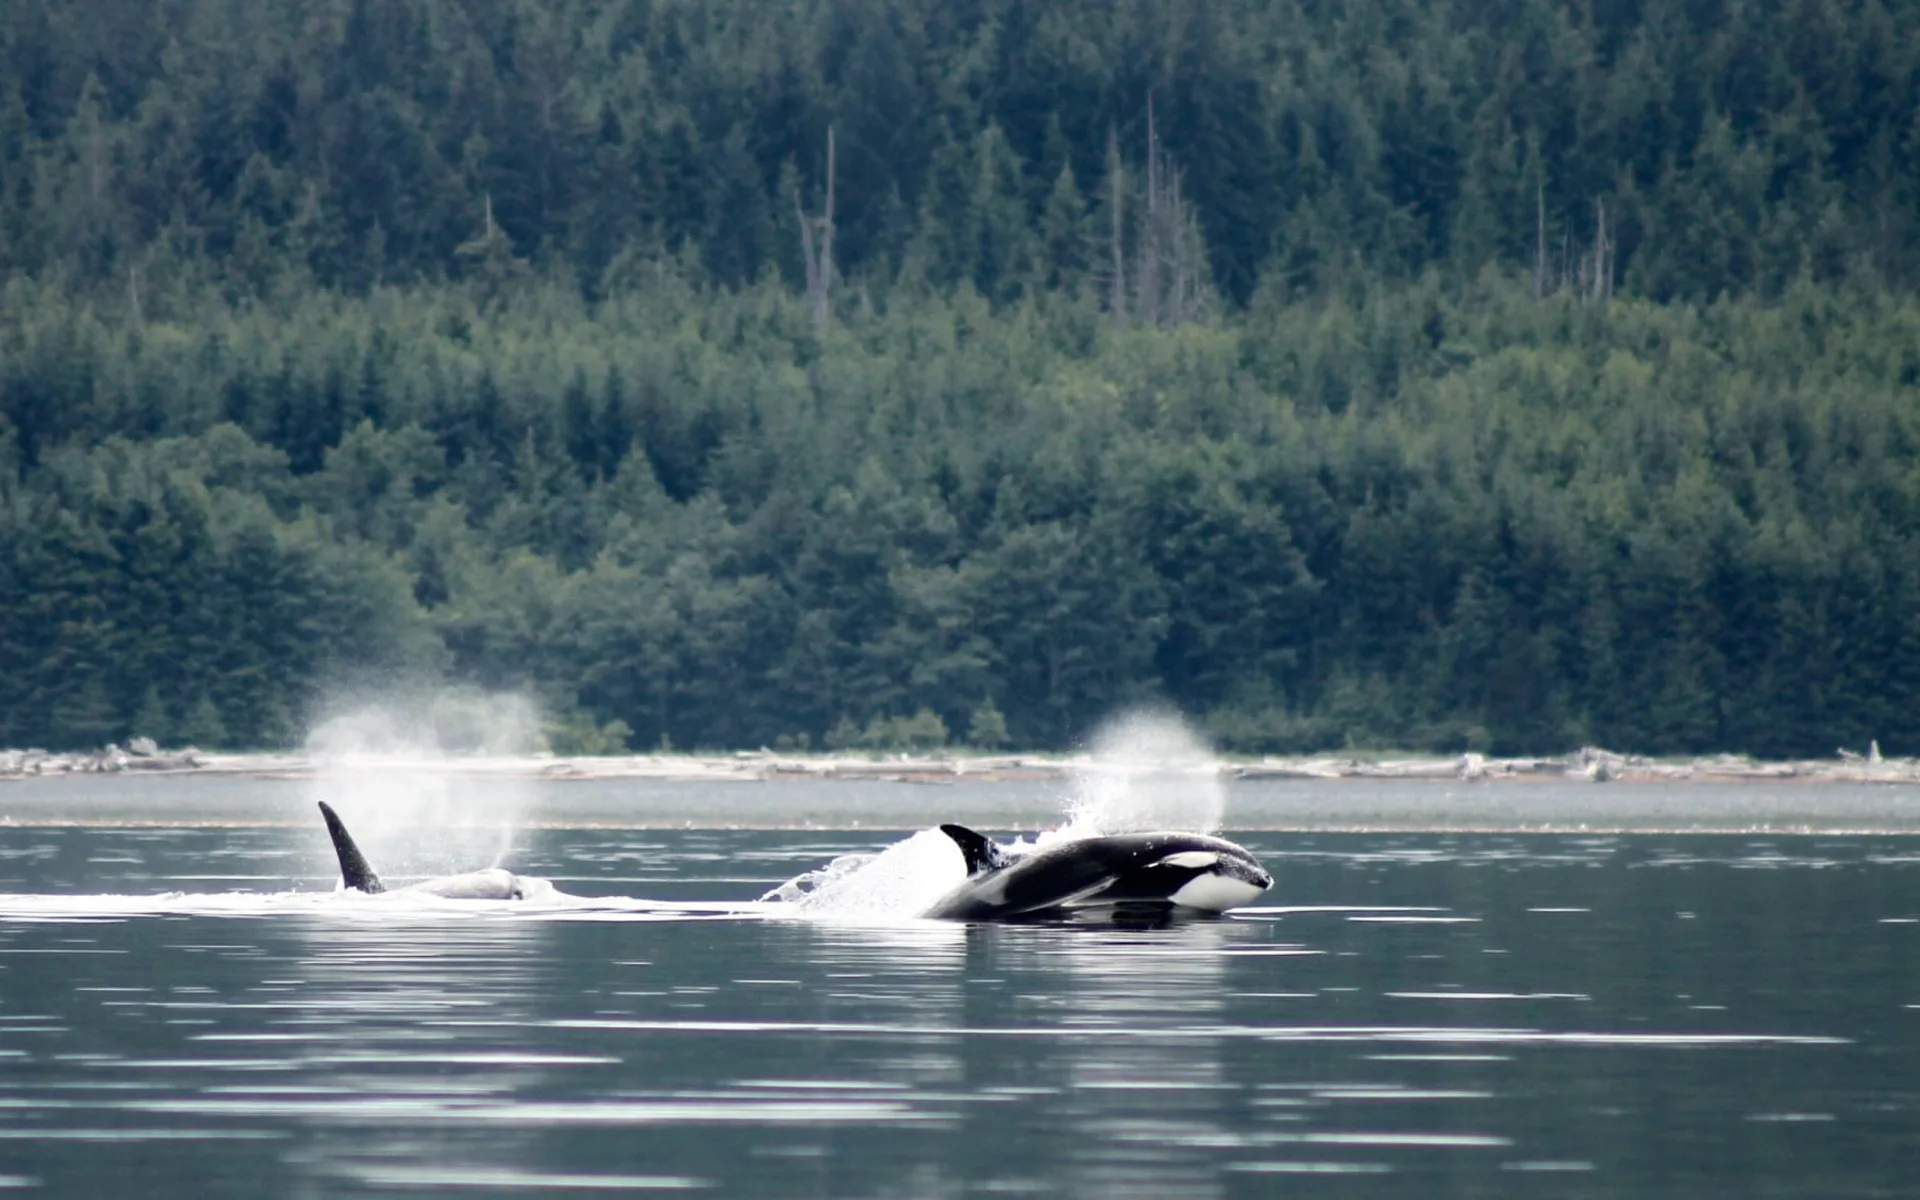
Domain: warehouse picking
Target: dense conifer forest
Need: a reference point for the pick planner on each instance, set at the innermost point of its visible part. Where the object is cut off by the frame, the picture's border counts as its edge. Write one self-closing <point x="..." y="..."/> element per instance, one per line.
<point x="1502" y="376"/>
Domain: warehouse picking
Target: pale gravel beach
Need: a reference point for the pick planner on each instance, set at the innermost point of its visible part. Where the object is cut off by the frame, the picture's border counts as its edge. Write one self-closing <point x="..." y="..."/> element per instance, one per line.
<point x="1590" y="765"/>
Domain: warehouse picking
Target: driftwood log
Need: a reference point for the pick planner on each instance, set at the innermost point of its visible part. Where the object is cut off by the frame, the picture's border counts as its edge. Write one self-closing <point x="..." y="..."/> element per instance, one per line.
<point x="141" y="755"/>
<point x="1590" y="764"/>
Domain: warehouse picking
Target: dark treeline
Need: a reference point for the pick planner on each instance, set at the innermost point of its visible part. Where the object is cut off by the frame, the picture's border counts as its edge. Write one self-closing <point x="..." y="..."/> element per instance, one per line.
<point x="1376" y="373"/>
<point x="1732" y="144"/>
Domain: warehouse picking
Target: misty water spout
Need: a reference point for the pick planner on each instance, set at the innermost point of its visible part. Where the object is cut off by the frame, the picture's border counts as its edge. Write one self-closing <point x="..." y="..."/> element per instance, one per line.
<point x="394" y="767"/>
<point x="1149" y="770"/>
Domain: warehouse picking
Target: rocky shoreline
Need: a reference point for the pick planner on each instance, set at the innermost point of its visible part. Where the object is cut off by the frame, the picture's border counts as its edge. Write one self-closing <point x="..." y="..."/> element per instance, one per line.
<point x="763" y="766"/>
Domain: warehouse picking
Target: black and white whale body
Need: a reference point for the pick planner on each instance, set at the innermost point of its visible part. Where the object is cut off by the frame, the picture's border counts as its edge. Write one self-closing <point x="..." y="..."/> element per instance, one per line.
<point x="489" y="884"/>
<point x="1163" y="871"/>
<point x="1179" y="870"/>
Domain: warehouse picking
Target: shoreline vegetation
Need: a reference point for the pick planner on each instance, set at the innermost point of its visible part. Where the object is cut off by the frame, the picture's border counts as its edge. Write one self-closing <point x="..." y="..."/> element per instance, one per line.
<point x="765" y="766"/>
<point x="839" y="376"/>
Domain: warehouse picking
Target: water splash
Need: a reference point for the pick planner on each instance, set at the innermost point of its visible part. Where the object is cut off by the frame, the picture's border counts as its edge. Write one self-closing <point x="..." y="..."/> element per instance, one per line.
<point x="901" y="881"/>
<point x="1149" y="771"/>
<point x="404" y="773"/>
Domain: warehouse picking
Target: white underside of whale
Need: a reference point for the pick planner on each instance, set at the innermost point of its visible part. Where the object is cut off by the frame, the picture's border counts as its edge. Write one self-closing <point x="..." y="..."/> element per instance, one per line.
<point x="1214" y="893"/>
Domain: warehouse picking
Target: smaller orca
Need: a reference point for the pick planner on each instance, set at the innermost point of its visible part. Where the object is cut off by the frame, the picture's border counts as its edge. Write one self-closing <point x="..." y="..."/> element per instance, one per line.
<point x="1176" y="870"/>
<point x="489" y="884"/>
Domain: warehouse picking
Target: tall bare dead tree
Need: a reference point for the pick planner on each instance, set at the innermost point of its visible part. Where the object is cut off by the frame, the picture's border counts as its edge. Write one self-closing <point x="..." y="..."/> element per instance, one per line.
<point x="489" y="258"/>
<point x="1156" y="270"/>
<point x="1148" y="246"/>
<point x="817" y="253"/>
<point x="1602" y="253"/>
<point x="1169" y="252"/>
<point x="1117" y="204"/>
<point x="1585" y="271"/>
<point x="1539" y="240"/>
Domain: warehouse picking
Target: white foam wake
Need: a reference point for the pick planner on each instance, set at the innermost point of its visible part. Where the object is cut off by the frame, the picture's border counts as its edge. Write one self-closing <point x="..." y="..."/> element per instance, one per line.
<point x="902" y="880"/>
<point x="80" y="909"/>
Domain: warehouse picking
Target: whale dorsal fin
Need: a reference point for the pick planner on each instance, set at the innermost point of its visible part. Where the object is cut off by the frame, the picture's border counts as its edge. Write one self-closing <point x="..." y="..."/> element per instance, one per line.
<point x="354" y="871"/>
<point x="977" y="848"/>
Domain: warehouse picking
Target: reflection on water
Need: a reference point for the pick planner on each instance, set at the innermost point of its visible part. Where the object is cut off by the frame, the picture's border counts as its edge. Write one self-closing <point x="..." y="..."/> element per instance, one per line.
<point x="182" y="1013"/>
<point x="387" y="1014"/>
<point x="1141" y="1093"/>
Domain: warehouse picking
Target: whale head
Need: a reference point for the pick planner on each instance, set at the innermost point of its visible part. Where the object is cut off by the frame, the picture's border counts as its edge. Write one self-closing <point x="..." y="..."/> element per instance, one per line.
<point x="1214" y="879"/>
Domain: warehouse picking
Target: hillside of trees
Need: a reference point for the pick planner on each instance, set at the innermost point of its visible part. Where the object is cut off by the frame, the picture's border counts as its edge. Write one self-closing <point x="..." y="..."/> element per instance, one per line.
<point x="837" y="372"/>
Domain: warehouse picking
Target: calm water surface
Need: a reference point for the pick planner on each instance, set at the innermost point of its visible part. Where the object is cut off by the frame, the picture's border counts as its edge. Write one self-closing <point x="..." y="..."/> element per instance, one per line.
<point x="187" y="1011"/>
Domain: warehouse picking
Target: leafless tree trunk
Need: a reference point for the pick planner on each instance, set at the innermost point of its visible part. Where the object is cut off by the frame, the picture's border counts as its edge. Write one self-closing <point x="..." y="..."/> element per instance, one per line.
<point x="818" y="257"/>
<point x="1602" y="253"/>
<point x="1117" y="191"/>
<point x="1539" y="240"/>
<point x="493" y="262"/>
<point x="1190" y="264"/>
<point x="1151" y="245"/>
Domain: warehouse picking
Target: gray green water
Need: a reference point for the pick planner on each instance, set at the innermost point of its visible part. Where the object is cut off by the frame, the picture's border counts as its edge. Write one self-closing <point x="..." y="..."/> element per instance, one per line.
<point x="186" y="1011"/>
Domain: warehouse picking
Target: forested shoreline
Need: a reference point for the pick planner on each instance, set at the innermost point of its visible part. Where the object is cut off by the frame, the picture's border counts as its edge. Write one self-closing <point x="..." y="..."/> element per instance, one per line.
<point x="1367" y="375"/>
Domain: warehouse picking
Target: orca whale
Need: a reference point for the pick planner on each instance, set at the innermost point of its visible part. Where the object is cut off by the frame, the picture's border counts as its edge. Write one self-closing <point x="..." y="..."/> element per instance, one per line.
<point x="1173" y="870"/>
<point x="489" y="884"/>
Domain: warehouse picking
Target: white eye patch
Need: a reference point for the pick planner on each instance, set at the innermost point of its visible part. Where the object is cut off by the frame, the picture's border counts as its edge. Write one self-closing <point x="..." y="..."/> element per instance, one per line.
<point x="1192" y="860"/>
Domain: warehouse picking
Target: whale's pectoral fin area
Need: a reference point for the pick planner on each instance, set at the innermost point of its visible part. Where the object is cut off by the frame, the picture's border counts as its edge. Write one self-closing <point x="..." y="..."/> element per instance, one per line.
<point x="354" y="871"/>
<point x="977" y="848"/>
